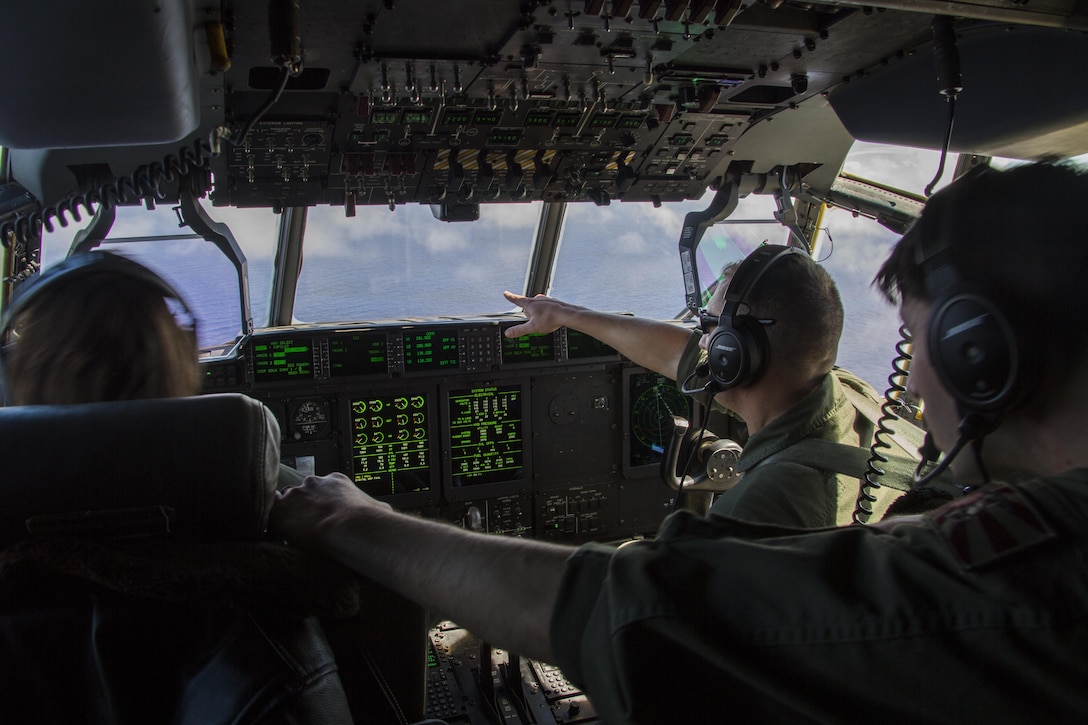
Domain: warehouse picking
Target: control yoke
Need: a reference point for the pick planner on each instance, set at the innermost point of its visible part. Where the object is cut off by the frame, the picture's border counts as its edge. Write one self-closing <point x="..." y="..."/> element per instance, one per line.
<point x="715" y="458"/>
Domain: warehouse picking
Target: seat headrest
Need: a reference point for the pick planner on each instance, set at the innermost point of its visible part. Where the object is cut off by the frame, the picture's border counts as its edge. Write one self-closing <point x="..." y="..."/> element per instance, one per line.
<point x="202" y="468"/>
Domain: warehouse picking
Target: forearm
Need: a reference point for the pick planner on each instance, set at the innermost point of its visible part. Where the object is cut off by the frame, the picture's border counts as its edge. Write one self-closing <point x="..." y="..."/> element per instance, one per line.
<point x="653" y="344"/>
<point x="500" y="588"/>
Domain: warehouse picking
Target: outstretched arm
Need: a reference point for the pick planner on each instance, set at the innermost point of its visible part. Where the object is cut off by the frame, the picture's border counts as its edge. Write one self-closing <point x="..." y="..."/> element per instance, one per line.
<point x="500" y="588"/>
<point x="652" y="344"/>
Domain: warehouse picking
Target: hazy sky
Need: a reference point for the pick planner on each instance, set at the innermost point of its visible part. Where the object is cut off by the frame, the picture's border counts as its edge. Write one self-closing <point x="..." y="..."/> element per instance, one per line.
<point x="623" y="257"/>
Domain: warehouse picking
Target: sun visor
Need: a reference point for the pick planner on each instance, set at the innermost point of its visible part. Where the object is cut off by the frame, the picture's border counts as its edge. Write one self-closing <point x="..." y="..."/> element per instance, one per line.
<point x="71" y="70"/>
<point x="1004" y="69"/>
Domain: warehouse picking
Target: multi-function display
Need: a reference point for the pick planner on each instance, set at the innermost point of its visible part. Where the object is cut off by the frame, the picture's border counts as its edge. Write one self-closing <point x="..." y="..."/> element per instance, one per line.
<point x="581" y="346"/>
<point x="357" y="354"/>
<point x="282" y="359"/>
<point x="391" y="451"/>
<point x="528" y="348"/>
<point x="429" y="350"/>
<point x="486" y="434"/>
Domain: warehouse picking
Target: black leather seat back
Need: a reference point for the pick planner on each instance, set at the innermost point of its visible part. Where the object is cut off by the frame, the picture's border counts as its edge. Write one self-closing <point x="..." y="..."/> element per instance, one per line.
<point x="134" y="585"/>
<point x="201" y="468"/>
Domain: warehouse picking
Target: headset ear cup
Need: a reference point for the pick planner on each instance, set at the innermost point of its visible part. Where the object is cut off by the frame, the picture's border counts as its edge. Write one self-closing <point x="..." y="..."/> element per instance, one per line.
<point x="736" y="354"/>
<point x="975" y="352"/>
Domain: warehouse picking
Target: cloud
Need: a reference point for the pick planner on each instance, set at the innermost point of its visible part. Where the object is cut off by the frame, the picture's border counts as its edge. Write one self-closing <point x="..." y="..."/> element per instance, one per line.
<point x="904" y="168"/>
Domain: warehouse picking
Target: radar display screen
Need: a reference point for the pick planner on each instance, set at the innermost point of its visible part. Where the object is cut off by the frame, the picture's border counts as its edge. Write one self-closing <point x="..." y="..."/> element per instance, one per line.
<point x="486" y="435"/>
<point x="357" y="354"/>
<point x="581" y="345"/>
<point x="282" y="359"/>
<point x="390" y="443"/>
<point x="654" y="400"/>
<point x="426" y="350"/>
<point x="528" y="348"/>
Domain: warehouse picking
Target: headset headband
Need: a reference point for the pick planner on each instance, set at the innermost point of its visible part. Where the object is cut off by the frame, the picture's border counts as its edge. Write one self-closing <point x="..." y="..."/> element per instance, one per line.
<point x="83" y="264"/>
<point x="750" y="271"/>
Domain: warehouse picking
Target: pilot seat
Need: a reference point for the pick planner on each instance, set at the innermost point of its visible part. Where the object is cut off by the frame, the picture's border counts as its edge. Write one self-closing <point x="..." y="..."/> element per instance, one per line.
<point x="137" y="583"/>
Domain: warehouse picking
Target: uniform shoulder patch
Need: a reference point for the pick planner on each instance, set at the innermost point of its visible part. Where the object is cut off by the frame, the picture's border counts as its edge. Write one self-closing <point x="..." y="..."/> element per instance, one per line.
<point x="991" y="524"/>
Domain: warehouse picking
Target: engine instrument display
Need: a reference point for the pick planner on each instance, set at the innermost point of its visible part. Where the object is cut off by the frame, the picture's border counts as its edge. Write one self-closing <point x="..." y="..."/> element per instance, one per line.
<point x="282" y="359"/>
<point x="487" y="434"/>
<point x="391" y="443"/>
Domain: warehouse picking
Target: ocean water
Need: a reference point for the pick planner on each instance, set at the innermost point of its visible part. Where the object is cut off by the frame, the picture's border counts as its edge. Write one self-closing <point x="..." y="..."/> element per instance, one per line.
<point x="867" y="348"/>
<point x="620" y="266"/>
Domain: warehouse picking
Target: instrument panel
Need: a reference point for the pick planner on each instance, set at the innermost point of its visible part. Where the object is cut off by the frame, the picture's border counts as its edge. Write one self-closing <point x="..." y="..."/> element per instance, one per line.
<point x="552" y="436"/>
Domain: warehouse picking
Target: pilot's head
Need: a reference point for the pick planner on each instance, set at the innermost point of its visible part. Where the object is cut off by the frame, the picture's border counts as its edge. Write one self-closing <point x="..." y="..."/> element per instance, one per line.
<point x="97" y="327"/>
<point x="802" y="300"/>
<point x="990" y="281"/>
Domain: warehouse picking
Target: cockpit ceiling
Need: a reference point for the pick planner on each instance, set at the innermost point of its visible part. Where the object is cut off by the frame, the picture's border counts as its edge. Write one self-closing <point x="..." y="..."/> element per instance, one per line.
<point x="451" y="103"/>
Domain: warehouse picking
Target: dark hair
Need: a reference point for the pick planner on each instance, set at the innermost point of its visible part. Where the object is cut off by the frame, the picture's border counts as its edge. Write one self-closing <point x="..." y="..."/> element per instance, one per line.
<point x="104" y="336"/>
<point x="1019" y="236"/>
<point x="802" y="299"/>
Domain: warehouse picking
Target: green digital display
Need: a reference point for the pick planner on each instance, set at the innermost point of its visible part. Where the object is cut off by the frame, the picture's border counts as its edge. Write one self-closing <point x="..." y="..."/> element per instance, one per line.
<point x="487" y="118"/>
<point x="654" y="399"/>
<point x="567" y="119"/>
<point x="486" y="435"/>
<point x="504" y="136"/>
<point x="417" y="116"/>
<point x="383" y="116"/>
<point x="581" y="345"/>
<point x="537" y="119"/>
<point x="390" y="448"/>
<point x="603" y="120"/>
<point x="282" y="359"/>
<point x="681" y="139"/>
<point x="631" y="121"/>
<point x="357" y="354"/>
<point x="717" y="140"/>
<point x="430" y="350"/>
<point x="528" y="348"/>
<point x="456" y="116"/>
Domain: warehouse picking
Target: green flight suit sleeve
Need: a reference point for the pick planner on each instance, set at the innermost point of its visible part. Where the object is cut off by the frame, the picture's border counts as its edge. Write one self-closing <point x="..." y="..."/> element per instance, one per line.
<point x="719" y="618"/>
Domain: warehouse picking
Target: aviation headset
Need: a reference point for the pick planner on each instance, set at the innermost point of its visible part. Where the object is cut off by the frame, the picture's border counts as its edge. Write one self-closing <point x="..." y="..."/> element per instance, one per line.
<point x="737" y="350"/>
<point x="77" y="267"/>
<point x="978" y="355"/>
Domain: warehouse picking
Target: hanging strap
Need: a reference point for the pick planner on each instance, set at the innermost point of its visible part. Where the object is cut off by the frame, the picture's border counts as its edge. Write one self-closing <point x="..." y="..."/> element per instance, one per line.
<point x="848" y="460"/>
<point x="853" y="461"/>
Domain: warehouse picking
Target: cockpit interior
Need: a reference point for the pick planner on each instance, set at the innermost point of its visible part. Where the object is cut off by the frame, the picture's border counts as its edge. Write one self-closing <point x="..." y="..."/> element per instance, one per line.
<point x="324" y="115"/>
